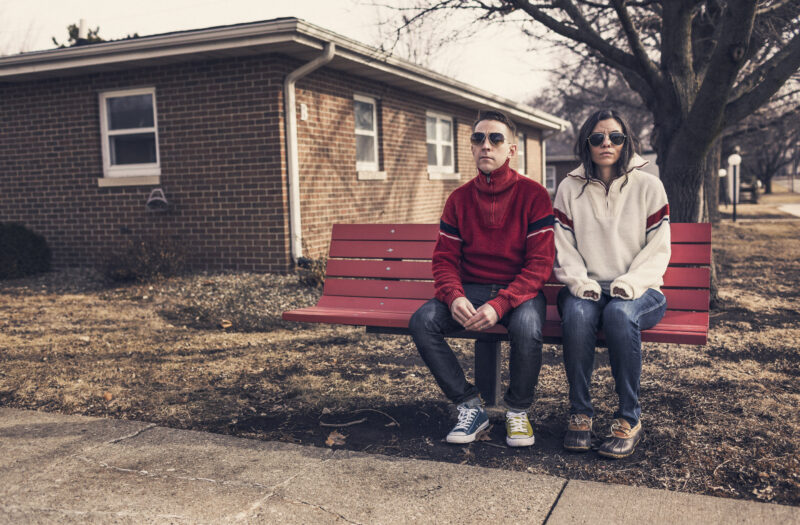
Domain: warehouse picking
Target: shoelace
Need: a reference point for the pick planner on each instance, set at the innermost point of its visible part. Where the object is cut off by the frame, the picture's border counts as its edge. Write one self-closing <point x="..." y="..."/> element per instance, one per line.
<point x="578" y="420"/>
<point x="517" y="422"/>
<point x="466" y="416"/>
<point x="617" y="427"/>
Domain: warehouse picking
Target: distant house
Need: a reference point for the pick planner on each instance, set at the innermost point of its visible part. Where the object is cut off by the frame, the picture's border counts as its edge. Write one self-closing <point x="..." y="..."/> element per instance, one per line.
<point x="186" y="135"/>
<point x="561" y="160"/>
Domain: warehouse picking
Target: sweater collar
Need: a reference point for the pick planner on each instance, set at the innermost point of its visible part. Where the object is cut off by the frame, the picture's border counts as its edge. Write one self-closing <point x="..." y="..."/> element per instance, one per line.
<point x="497" y="181"/>
<point x="636" y="163"/>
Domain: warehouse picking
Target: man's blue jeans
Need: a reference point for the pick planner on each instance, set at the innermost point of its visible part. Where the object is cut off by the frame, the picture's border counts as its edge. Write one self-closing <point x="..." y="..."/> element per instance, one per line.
<point x="622" y="322"/>
<point x="432" y="321"/>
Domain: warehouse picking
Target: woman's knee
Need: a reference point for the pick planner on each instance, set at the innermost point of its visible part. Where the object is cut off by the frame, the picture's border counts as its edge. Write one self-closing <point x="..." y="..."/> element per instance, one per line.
<point x="618" y="315"/>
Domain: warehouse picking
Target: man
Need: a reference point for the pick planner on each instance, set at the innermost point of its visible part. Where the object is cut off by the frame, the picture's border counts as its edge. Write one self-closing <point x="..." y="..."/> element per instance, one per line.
<point x="493" y="255"/>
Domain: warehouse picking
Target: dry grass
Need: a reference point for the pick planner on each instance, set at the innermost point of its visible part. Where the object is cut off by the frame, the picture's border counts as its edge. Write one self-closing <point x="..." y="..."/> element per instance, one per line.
<point x="720" y="419"/>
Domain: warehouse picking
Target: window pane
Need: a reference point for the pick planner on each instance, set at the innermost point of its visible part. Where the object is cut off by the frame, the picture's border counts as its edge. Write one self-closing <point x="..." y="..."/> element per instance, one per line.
<point x="430" y="129"/>
<point x="139" y="148"/>
<point x="135" y="111"/>
<point x="365" y="148"/>
<point x="432" y="155"/>
<point x="446" y="130"/>
<point x="364" y="120"/>
<point x="447" y="155"/>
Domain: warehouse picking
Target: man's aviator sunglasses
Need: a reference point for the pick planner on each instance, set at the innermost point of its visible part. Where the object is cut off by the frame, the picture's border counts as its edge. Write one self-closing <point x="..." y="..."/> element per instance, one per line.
<point x="616" y="138"/>
<point x="479" y="137"/>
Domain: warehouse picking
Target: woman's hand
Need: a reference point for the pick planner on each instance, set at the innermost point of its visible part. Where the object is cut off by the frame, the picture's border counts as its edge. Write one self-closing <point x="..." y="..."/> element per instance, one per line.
<point x="619" y="292"/>
<point x="591" y="294"/>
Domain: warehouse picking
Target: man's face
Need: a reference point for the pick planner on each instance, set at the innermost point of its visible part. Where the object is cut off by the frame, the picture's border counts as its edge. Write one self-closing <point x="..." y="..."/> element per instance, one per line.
<point x="488" y="156"/>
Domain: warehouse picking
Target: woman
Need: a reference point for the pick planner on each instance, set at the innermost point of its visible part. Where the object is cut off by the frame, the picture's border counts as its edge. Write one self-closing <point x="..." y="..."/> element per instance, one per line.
<point x="612" y="249"/>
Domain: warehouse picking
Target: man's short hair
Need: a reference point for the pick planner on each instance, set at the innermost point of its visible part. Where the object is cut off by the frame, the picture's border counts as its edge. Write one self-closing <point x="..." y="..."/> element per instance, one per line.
<point x="499" y="116"/>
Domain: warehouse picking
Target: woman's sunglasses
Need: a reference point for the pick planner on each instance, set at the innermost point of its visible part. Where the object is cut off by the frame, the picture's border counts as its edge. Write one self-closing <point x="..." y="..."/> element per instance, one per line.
<point x="616" y="138"/>
<point x="479" y="137"/>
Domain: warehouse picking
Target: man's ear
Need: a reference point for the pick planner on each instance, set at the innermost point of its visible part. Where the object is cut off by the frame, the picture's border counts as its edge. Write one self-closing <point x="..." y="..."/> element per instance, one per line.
<point x="512" y="150"/>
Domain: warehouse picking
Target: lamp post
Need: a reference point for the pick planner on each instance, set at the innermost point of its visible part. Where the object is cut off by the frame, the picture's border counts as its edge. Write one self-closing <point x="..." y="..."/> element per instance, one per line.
<point x="733" y="168"/>
<point x="722" y="174"/>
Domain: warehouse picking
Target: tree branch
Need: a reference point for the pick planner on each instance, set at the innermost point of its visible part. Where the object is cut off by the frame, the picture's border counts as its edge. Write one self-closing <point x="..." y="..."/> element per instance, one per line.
<point x="584" y="33"/>
<point x="779" y="68"/>
<point x="648" y="68"/>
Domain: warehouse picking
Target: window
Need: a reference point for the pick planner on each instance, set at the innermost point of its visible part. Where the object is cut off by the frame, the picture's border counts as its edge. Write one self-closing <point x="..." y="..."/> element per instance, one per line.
<point x="366" y="133"/>
<point x="439" y="142"/>
<point x="521" y="167"/>
<point x="550" y="179"/>
<point x="129" y="130"/>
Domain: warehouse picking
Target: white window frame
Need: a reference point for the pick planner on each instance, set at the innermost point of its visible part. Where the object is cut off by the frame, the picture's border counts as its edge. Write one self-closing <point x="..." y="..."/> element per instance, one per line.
<point x="548" y="171"/>
<point x="369" y="170"/>
<point x="128" y="174"/>
<point x="440" y="171"/>
<point x="522" y="154"/>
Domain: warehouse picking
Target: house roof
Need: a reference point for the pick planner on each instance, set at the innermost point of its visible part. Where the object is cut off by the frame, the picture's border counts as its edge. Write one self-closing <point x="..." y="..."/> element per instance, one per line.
<point x="289" y="36"/>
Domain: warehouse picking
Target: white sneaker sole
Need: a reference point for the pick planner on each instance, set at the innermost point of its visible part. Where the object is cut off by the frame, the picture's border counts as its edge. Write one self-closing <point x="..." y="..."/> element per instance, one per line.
<point x="519" y="442"/>
<point x="462" y="439"/>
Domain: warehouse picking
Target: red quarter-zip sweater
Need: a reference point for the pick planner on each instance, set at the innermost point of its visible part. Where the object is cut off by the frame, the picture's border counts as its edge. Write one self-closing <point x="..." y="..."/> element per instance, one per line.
<point x="495" y="229"/>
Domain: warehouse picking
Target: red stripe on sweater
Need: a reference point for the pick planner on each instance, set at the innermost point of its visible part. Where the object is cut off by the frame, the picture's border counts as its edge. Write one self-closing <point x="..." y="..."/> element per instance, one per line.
<point x="562" y="218"/>
<point x="657" y="216"/>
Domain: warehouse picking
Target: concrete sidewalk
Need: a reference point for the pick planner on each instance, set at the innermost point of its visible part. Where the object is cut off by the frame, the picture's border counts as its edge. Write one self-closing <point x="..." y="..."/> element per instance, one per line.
<point x="72" y="469"/>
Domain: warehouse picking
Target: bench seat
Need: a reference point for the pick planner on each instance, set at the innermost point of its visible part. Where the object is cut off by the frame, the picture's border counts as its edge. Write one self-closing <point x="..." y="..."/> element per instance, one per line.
<point x="377" y="275"/>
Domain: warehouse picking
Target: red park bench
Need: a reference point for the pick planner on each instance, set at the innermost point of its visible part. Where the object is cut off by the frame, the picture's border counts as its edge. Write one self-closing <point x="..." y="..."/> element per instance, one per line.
<point x="377" y="276"/>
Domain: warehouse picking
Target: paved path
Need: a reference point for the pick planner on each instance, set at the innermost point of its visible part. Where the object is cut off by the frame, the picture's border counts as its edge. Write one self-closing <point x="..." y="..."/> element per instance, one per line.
<point x="73" y="469"/>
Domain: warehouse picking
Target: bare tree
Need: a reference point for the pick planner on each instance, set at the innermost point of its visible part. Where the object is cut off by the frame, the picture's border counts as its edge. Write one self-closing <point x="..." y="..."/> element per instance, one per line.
<point x="699" y="66"/>
<point x="768" y="137"/>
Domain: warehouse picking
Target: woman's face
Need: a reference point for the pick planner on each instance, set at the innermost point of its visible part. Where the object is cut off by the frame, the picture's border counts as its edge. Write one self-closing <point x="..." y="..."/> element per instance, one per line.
<point x="607" y="153"/>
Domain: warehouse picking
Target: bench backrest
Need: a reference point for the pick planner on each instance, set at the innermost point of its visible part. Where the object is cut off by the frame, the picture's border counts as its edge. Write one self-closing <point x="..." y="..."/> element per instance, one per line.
<point x="387" y="267"/>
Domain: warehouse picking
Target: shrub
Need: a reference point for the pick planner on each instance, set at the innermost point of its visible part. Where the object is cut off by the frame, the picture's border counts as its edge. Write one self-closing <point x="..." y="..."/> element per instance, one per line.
<point x="312" y="271"/>
<point x="146" y="258"/>
<point x="22" y="252"/>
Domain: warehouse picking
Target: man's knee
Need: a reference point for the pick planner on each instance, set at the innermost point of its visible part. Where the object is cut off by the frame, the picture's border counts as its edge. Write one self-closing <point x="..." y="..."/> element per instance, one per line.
<point x="425" y="318"/>
<point x="526" y="321"/>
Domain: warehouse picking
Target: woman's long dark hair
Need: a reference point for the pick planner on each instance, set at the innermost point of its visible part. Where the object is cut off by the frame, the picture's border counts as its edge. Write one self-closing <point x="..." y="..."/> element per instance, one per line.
<point x="585" y="155"/>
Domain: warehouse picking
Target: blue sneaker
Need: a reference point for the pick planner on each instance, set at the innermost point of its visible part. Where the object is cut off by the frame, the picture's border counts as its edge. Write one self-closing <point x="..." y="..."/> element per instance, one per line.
<point x="471" y="421"/>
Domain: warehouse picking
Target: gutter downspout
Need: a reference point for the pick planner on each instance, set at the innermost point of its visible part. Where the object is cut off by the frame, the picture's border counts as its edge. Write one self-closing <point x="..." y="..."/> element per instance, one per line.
<point x="295" y="232"/>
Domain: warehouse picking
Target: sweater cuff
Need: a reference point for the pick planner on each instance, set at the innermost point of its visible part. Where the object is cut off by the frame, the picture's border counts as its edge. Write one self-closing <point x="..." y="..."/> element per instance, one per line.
<point x="630" y="292"/>
<point x="451" y="296"/>
<point x="501" y="305"/>
<point x="588" y="286"/>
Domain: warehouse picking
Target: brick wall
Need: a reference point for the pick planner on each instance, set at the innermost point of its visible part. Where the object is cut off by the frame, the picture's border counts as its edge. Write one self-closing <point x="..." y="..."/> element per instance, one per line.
<point x="222" y="164"/>
<point x="223" y="168"/>
<point x="330" y="191"/>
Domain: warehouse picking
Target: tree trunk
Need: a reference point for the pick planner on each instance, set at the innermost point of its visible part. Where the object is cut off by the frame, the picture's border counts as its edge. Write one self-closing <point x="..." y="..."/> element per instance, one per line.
<point x="682" y="182"/>
<point x="711" y="183"/>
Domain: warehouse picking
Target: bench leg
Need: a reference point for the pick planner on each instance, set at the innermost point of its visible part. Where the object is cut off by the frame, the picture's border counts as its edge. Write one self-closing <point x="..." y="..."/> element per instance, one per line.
<point x="487" y="371"/>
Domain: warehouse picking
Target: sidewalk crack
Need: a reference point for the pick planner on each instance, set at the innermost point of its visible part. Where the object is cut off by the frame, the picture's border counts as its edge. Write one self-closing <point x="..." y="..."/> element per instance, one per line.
<point x="553" y="507"/>
<point x="138" y="432"/>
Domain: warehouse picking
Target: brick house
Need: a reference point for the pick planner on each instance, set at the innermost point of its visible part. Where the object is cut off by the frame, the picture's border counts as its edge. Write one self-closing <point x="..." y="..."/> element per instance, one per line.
<point x="94" y="135"/>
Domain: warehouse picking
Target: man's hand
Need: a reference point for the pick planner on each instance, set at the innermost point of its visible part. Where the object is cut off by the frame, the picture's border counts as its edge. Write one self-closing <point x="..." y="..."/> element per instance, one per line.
<point x="462" y="310"/>
<point x="485" y="317"/>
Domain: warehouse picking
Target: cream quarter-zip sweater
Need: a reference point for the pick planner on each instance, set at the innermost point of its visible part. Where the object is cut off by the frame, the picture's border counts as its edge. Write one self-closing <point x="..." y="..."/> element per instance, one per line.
<point x="612" y="237"/>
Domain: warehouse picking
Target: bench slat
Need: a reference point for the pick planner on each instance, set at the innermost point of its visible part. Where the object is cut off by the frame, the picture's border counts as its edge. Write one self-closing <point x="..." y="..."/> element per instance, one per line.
<point x="381" y="269"/>
<point x="677" y="299"/>
<point x="677" y="277"/>
<point x="688" y="232"/>
<point x="400" y="232"/>
<point x="690" y="254"/>
<point x="382" y="249"/>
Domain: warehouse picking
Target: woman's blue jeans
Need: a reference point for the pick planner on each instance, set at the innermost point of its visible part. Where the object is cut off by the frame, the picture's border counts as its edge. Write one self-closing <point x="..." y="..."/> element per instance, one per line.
<point x="622" y="322"/>
<point x="432" y="322"/>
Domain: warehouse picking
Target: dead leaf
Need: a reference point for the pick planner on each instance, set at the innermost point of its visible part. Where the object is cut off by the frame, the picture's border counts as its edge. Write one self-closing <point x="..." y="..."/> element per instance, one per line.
<point x="335" y="438"/>
<point x="108" y="396"/>
<point x="224" y="324"/>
